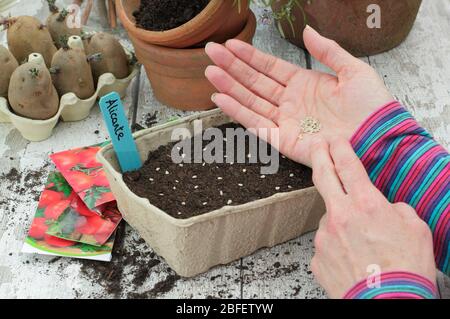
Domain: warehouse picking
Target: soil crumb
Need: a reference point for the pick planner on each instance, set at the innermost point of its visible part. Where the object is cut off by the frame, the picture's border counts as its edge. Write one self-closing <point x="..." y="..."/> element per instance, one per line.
<point x="160" y="288"/>
<point x="150" y="119"/>
<point x="161" y="15"/>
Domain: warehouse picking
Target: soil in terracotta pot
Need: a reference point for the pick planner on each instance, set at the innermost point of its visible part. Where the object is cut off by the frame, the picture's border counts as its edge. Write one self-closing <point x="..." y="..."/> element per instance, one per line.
<point x="187" y="190"/>
<point x="161" y="15"/>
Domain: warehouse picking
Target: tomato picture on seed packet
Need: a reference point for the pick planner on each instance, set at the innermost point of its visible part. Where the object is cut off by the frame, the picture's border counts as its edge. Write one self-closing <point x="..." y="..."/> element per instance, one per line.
<point x="85" y="174"/>
<point x="56" y="200"/>
<point x="79" y="223"/>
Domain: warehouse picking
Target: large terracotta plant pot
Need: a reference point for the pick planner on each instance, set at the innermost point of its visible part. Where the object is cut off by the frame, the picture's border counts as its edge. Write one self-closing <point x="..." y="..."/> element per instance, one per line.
<point x="218" y="22"/>
<point x="346" y="22"/>
<point x="177" y="76"/>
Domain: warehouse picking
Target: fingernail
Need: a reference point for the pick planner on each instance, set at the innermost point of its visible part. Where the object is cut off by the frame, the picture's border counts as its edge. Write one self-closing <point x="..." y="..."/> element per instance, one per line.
<point x="213" y="97"/>
<point x="208" y="44"/>
<point x="228" y="42"/>
<point x="309" y="28"/>
<point x="206" y="70"/>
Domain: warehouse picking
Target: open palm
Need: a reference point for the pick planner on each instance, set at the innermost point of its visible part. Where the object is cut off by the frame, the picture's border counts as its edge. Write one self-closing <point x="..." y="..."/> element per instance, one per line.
<point x="261" y="91"/>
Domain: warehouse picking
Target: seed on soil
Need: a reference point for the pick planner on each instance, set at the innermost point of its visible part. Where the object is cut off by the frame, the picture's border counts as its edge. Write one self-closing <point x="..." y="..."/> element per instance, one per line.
<point x="151" y="179"/>
<point x="229" y="202"/>
<point x="161" y="194"/>
<point x="174" y="188"/>
<point x="219" y="178"/>
<point x="241" y="183"/>
<point x="167" y="172"/>
<point x="157" y="169"/>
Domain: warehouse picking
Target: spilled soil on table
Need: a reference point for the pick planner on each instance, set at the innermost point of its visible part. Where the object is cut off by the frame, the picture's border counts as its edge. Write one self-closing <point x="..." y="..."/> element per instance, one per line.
<point x="132" y="264"/>
<point x="28" y="183"/>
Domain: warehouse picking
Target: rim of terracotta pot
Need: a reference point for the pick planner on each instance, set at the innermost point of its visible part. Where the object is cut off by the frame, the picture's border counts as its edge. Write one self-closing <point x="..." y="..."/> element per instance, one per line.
<point x="179" y="57"/>
<point x="204" y="23"/>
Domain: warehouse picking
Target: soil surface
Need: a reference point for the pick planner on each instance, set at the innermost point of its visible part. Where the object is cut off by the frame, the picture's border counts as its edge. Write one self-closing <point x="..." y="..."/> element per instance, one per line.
<point x="187" y="190"/>
<point x="161" y="15"/>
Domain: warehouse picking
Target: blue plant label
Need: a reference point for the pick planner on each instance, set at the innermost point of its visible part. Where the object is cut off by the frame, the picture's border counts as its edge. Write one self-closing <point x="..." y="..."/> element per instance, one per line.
<point x="120" y="133"/>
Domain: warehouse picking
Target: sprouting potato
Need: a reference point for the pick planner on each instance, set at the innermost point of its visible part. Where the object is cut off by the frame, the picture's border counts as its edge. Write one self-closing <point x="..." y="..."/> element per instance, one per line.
<point x="111" y="56"/>
<point x="57" y="24"/>
<point x="31" y="92"/>
<point x="9" y="64"/>
<point x="27" y="35"/>
<point x="71" y="71"/>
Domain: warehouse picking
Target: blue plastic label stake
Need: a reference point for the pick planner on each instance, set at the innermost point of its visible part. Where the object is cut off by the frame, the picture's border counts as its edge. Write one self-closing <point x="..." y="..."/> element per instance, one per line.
<point x="120" y="132"/>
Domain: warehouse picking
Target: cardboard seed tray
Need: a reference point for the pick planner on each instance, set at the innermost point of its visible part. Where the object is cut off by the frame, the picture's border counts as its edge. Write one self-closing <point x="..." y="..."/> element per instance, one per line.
<point x="194" y="245"/>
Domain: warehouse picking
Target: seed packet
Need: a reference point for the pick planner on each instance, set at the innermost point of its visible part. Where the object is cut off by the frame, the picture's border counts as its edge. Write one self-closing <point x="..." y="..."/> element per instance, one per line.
<point x="60" y="211"/>
<point x="78" y="223"/>
<point x="55" y="246"/>
<point x="85" y="175"/>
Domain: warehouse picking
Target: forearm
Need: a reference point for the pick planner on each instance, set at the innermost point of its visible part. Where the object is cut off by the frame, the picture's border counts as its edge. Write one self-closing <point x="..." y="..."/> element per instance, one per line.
<point x="408" y="165"/>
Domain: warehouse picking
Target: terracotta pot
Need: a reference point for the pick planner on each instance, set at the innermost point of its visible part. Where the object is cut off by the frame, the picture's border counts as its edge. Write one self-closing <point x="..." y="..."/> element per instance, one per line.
<point x="177" y="76"/>
<point x="346" y="22"/>
<point x="218" y="22"/>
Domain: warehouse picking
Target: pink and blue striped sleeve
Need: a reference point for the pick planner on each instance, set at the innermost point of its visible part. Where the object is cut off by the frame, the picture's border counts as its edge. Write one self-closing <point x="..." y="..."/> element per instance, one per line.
<point x="395" y="285"/>
<point x="408" y="165"/>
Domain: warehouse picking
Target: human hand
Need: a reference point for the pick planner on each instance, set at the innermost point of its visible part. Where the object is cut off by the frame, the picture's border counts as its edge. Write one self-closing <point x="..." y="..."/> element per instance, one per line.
<point x="361" y="227"/>
<point x="261" y="91"/>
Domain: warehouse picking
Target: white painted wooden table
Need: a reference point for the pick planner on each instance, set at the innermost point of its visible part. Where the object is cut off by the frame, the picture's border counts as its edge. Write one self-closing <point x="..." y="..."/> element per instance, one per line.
<point x="418" y="74"/>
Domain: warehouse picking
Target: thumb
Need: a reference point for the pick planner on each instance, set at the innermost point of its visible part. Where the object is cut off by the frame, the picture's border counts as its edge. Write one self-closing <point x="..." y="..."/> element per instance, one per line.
<point x="327" y="51"/>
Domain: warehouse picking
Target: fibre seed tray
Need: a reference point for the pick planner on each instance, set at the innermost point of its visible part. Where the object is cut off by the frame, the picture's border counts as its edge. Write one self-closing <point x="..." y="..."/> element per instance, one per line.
<point x="194" y="245"/>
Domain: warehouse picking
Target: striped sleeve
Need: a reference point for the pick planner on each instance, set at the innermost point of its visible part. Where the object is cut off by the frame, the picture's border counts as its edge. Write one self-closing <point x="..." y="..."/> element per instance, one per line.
<point x="395" y="285"/>
<point x="408" y="165"/>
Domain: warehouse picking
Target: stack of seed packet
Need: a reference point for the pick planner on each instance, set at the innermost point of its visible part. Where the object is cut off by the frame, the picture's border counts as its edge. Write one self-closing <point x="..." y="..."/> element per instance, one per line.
<point x="77" y="214"/>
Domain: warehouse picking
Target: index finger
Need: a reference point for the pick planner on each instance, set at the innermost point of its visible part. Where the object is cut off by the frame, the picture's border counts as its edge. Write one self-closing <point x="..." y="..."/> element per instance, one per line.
<point x="349" y="167"/>
<point x="325" y="177"/>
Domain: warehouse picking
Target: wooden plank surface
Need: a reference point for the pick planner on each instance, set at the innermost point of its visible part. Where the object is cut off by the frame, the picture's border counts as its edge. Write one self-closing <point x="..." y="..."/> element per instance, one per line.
<point x="418" y="73"/>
